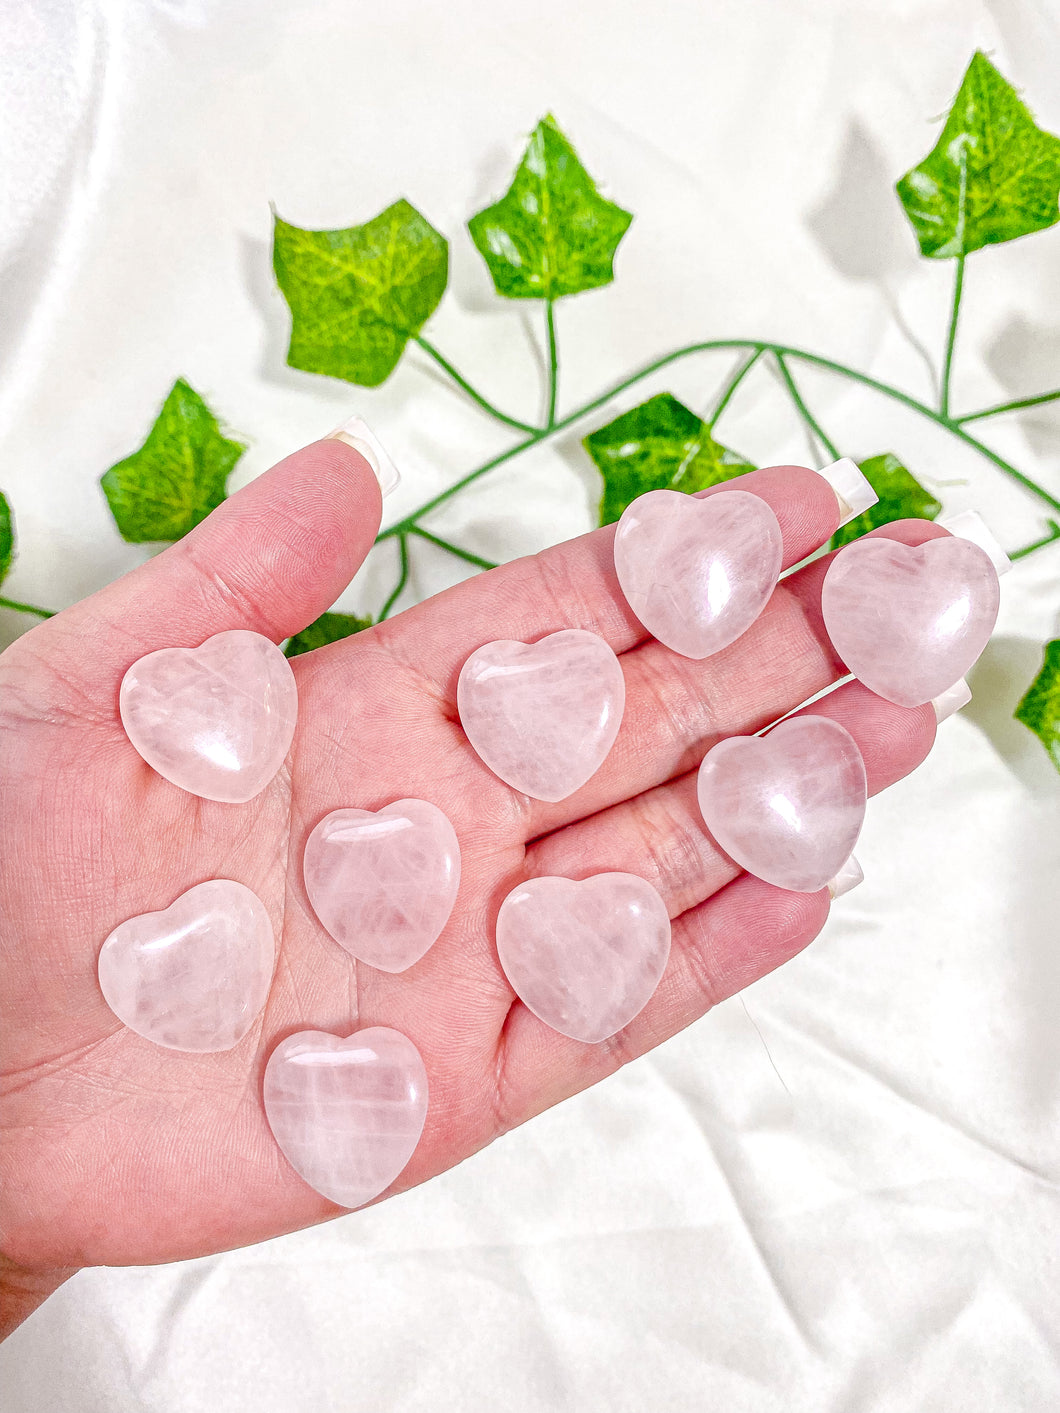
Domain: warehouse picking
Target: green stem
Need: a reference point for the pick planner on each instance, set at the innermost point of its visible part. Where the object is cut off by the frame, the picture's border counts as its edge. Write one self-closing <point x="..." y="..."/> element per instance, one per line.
<point x="452" y="549"/>
<point x="733" y="383"/>
<point x="958" y="288"/>
<point x="26" y="608"/>
<point x="1009" y="406"/>
<point x="403" y="577"/>
<point x="553" y="364"/>
<point x="472" y="393"/>
<point x="1054" y="534"/>
<point x="816" y="430"/>
<point x="951" y="338"/>
<point x="816" y="360"/>
<point x="409" y="523"/>
<point x="958" y="431"/>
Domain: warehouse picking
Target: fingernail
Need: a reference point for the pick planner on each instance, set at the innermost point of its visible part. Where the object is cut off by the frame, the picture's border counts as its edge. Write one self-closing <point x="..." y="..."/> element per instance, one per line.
<point x="851" y="486"/>
<point x="849" y="876"/>
<point x="952" y="699"/>
<point x="970" y="525"/>
<point x="357" y="433"/>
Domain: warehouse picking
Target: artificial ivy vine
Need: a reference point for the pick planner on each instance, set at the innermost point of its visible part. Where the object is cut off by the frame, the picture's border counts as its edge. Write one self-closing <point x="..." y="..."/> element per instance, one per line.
<point x="359" y="296"/>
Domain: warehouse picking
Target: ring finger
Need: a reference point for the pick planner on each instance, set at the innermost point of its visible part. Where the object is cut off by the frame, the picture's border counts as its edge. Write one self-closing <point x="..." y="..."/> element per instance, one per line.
<point x="659" y="835"/>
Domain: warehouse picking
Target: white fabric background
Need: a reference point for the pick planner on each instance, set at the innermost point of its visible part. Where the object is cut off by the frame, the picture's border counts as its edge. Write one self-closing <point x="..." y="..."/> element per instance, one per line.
<point x="872" y="1224"/>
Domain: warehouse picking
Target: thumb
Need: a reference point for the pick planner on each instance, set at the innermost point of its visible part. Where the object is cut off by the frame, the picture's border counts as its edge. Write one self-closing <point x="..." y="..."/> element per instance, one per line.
<point x="271" y="558"/>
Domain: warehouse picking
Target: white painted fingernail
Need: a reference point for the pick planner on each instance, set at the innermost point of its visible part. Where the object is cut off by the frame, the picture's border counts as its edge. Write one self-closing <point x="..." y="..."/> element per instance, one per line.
<point x="357" y="433"/>
<point x="970" y="525"/>
<point x="848" y="877"/>
<point x="952" y="699"/>
<point x="851" y="486"/>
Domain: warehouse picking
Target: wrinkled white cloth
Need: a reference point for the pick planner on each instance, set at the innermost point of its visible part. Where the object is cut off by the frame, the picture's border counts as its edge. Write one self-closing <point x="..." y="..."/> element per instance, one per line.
<point x="840" y="1192"/>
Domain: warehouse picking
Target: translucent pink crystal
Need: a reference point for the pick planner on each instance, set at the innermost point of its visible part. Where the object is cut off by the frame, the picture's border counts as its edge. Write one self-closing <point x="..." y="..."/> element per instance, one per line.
<point x="909" y="620"/>
<point x="585" y="957"/>
<point x="384" y="883"/>
<point x="216" y="720"/>
<point x="195" y="975"/>
<point x="697" y="573"/>
<point x="543" y="715"/>
<point x="347" y="1114"/>
<point x="789" y="806"/>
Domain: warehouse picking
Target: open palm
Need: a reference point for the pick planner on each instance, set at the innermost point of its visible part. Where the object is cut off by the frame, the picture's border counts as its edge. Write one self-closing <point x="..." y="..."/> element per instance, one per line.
<point x="116" y="1151"/>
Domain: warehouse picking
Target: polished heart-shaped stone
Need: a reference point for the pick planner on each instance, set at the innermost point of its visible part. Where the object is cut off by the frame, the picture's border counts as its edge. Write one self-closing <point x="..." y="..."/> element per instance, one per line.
<point x="789" y="806"/>
<point x="585" y="956"/>
<point x="909" y="620"/>
<point x="698" y="572"/>
<point x="543" y="715"/>
<point x="216" y="720"/>
<point x="347" y="1114"/>
<point x="195" y="975"/>
<point x="384" y="883"/>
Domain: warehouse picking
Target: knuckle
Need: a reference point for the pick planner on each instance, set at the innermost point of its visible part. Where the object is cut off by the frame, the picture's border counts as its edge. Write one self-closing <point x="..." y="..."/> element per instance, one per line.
<point x="618" y="1050"/>
<point x="674" y="845"/>
<point x="501" y="1109"/>
<point x="225" y="591"/>
<point x="675" y="710"/>
<point x="700" y="962"/>
<point x="560" y="589"/>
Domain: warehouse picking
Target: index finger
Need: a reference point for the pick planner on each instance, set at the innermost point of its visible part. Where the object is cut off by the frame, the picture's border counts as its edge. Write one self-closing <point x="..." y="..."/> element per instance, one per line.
<point x="271" y="558"/>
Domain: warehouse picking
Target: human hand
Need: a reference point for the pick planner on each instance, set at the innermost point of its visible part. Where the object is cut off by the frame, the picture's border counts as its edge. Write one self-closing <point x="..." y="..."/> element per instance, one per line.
<point x="119" y="1152"/>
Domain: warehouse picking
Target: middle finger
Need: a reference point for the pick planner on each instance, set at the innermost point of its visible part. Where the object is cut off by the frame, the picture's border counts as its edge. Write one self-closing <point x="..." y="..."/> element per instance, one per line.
<point x="677" y="708"/>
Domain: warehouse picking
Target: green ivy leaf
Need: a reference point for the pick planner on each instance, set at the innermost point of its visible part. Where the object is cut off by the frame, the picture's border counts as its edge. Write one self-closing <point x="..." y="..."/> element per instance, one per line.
<point x="992" y="176"/>
<point x="179" y="474"/>
<point x="552" y="233"/>
<point x="7" y="537"/>
<point x="358" y="295"/>
<point x="1040" y="708"/>
<point x="328" y="628"/>
<point x="659" y="445"/>
<point x="901" y="497"/>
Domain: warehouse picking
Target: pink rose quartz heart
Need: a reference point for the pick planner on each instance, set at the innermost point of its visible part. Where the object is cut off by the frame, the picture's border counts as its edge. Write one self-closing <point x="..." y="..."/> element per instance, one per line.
<point x="543" y="715"/>
<point x="697" y="573"/>
<point x="909" y="620"/>
<point x="584" y="957"/>
<point x="347" y="1114"/>
<point x="787" y="807"/>
<point x="216" y="720"/>
<point x="384" y="884"/>
<point x="195" y="975"/>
